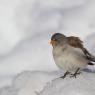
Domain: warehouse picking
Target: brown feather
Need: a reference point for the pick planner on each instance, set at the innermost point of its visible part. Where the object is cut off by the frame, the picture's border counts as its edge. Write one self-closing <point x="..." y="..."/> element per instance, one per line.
<point x="77" y="43"/>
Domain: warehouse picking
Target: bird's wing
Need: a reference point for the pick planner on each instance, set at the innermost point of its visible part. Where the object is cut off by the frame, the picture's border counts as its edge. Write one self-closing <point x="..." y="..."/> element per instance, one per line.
<point x="77" y="43"/>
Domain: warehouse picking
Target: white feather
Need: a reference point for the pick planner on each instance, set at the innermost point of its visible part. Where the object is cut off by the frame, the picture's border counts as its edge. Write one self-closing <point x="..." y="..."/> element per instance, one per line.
<point x="69" y="58"/>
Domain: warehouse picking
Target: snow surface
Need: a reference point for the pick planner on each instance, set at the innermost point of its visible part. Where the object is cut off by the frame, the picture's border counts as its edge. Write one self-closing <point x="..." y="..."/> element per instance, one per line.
<point x="29" y="83"/>
<point x="83" y="85"/>
<point x="25" y="30"/>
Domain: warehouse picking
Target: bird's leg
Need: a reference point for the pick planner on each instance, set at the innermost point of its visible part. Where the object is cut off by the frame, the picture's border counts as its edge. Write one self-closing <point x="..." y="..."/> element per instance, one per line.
<point x="65" y="74"/>
<point x="76" y="73"/>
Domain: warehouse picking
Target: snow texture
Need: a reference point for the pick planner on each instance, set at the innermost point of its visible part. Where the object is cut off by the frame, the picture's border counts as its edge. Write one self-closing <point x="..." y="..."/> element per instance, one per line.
<point x="83" y="85"/>
<point x="29" y="83"/>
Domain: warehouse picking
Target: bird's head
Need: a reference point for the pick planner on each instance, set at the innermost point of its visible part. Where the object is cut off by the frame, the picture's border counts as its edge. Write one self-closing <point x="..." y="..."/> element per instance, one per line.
<point x="57" y="39"/>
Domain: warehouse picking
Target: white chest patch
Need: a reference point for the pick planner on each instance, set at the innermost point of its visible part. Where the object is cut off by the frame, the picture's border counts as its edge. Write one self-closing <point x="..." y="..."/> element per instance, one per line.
<point x="69" y="59"/>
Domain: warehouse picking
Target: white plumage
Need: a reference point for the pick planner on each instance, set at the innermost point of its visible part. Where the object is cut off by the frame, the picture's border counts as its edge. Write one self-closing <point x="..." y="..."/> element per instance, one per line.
<point x="69" y="58"/>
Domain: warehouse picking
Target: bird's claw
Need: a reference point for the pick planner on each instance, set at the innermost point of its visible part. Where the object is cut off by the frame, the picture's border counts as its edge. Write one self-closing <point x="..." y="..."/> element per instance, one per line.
<point x="75" y="74"/>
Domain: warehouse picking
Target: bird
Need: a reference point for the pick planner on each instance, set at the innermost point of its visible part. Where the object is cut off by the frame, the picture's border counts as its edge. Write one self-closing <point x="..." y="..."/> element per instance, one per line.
<point x="70" y="54"/>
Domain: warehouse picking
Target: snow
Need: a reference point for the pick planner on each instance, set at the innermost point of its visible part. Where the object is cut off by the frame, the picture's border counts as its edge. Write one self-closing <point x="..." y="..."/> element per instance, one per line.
<point x="25" y="30"/>
<point x="29" y="83"/>
<point x="82" y="85"/>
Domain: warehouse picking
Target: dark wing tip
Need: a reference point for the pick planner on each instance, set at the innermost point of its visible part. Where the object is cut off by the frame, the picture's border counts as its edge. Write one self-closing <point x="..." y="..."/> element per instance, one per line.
<point x="90" y="63"/>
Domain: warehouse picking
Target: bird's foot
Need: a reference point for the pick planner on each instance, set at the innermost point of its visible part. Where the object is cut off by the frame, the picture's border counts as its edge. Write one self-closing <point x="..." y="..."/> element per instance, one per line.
<point x="75" y="74"/>
<point x="65" y="75"/>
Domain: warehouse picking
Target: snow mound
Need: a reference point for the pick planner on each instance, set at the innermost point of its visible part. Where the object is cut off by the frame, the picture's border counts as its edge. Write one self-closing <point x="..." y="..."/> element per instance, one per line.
<point x="84" y="84"/>
<point x="29" y="83"/>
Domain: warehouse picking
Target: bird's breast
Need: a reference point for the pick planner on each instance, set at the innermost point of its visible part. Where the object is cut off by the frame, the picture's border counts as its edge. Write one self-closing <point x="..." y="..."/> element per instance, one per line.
<point x="69" y="58"/>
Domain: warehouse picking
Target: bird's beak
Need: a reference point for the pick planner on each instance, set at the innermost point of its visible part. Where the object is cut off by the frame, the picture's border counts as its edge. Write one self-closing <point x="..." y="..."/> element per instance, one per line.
<point x="53" y="42"/>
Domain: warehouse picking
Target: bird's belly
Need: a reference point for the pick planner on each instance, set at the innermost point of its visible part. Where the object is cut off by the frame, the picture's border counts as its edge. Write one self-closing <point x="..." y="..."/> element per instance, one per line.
<point x="70" y="61"/>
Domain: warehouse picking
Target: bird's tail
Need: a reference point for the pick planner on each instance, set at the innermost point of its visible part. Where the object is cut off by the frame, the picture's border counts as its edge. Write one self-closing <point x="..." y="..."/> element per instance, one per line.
<point x="90" y="63"/>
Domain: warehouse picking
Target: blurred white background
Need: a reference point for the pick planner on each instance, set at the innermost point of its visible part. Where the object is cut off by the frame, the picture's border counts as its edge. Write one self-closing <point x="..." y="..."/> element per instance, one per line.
<point x="27" y="25"/>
